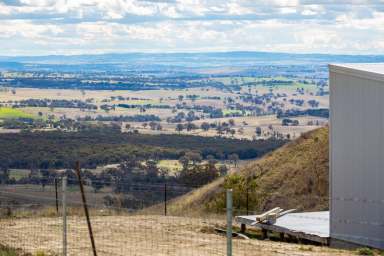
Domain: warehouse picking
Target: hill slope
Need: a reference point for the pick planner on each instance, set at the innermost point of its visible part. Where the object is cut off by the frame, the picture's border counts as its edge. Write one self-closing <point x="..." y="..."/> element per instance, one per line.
<point x="293" y="176"/>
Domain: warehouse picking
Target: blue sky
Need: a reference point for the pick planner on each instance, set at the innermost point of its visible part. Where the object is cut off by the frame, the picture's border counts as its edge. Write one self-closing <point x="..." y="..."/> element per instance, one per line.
<point x="39" y="27"/>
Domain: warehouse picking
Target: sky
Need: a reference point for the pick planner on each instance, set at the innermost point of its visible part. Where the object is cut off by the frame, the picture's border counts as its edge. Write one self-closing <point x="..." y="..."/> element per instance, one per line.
<point x="42" y="27"/>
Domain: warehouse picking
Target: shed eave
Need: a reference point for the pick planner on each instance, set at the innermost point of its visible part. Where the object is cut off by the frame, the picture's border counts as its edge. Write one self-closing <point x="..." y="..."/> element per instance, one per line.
<point x="371" y="71"/>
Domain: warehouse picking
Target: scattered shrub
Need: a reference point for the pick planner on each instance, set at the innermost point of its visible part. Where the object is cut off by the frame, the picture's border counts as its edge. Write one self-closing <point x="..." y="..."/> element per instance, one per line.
<point x="365" y="251"/>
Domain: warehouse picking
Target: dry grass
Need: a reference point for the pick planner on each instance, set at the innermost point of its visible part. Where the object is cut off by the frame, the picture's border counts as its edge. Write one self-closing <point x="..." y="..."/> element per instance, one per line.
<point x="293" y="176"/>
<point x="140" y="235"/>
<point x="296" y="175"/>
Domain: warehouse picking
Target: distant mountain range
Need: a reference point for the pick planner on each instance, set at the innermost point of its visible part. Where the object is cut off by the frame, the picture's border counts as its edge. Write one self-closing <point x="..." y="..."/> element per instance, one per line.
<point x="178" y="63"/>
<point x="210" y="57"/>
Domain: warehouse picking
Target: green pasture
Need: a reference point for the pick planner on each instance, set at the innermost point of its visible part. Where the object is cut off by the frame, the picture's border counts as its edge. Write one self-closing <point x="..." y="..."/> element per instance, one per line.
<point x="12" y="113"/>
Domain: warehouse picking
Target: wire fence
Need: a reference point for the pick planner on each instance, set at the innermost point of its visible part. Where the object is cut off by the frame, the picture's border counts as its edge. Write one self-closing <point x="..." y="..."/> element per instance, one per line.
<point x="143" y="219"/>
<point x="133" y="219"/>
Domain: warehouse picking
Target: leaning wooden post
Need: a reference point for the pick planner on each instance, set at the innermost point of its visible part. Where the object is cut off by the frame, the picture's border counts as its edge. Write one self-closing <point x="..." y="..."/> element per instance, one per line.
<point x="229" y="222"/>
<point x="86" y="208"/>
<point x="57" y="197"/>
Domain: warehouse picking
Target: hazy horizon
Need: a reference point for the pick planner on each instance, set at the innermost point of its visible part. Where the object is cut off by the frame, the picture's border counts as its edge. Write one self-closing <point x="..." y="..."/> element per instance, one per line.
<point x="191" y="53"/>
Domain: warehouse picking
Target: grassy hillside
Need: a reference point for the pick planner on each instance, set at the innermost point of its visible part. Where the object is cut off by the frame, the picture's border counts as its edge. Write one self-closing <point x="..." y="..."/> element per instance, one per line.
<point x="293" y="176"/>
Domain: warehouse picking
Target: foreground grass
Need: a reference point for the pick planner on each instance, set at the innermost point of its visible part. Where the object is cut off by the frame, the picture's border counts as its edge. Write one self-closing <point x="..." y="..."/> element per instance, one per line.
<point x="142" y="236"/>
<point x="6" y="251"/>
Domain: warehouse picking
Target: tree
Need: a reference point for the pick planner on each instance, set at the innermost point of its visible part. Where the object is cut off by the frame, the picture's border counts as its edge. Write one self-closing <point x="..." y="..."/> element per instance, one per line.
<point x="223" y="170"/>
<point x="153" y="125"/>
<point x="216" y="113"/>
<point x="195" y="157"/>
<point x="220" y="129"/>
<point x="184" y="161"/>
<point x="234" y="158"/>
<point x="180" y="115"/>
<point x="44" y="178"/>
<point x="190" y="116"/>
<point x="231" y="122"/>
<point x="4" y="175"/>
<point x="258" y="131"/>
<point x="205" y="126"/>
<point x="198" y="175"/>
<point x="179" y="127"/>
<point x="191" y="126"/>
<point x="151" y="168"/>
<point x="212" y="161"/>
<point x="96" y="183"/>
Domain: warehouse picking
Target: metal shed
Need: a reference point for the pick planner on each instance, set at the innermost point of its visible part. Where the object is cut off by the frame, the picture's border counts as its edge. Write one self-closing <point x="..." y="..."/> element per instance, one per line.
<point x="357" y="154"/>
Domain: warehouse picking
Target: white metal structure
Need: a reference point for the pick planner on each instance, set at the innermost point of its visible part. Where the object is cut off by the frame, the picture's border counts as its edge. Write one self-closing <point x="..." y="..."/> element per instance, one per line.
<point x="357" y="154"/>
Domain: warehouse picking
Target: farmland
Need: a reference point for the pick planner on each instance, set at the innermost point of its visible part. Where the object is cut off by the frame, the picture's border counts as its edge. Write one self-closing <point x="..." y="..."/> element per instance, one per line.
<point x="171" y="108"/>
<point x="126" y="123"/>
<point x="11" y="113"/>
<point x="234" y="95"/>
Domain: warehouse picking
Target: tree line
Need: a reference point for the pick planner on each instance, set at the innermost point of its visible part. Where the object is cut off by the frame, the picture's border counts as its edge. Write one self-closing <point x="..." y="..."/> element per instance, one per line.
<point x="106" y="145"/>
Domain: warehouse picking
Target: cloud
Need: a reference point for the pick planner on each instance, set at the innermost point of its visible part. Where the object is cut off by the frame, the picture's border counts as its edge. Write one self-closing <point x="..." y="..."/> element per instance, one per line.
<point x="90" y="26"/>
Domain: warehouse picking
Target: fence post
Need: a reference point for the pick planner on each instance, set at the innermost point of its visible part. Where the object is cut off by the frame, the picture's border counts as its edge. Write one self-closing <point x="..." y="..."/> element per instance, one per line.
<point x="229" y="222"/>
<point x="165" y="199"/>
<point x="247" y="200"/>
<point x="86" y="208"/>
<point x="57" y="197"/>
<point x="64" y="190"/>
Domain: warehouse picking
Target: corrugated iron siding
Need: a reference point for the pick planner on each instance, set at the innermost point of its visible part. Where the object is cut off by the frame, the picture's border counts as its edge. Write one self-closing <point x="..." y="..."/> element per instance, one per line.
<point x="357" y="159"/>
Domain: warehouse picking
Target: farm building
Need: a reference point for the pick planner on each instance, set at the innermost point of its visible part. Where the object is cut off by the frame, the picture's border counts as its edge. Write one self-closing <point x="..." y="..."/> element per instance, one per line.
<point x="357" y="154"/>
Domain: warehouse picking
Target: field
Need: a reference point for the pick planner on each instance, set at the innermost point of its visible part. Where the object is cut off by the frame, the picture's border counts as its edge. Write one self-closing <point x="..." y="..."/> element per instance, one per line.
<point x="173" y="166"/>
<point x="9" y="113"/>
<point x="18" y="174"/>
<point x="167" y="103"/>
<point x="141" y="236"/>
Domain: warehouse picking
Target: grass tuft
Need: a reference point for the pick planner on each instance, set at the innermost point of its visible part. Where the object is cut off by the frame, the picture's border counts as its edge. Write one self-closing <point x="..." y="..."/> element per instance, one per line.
<point x="7" y="251"/>
<point x="306" y="248"/>
<point x="365" y="251"/>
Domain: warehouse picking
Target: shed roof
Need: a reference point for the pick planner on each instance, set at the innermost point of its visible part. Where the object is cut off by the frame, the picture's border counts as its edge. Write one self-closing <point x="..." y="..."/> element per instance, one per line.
<point x="312" y="226"/>
<point x="373" y="71"/>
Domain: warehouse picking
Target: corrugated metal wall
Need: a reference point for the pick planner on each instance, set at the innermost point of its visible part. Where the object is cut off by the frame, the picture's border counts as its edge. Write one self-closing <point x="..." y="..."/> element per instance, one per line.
<point x="357" y="159"/>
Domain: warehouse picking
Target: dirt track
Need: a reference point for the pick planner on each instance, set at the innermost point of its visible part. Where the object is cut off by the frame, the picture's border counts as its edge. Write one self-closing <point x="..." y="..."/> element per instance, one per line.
<point x="139" y="236"/>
